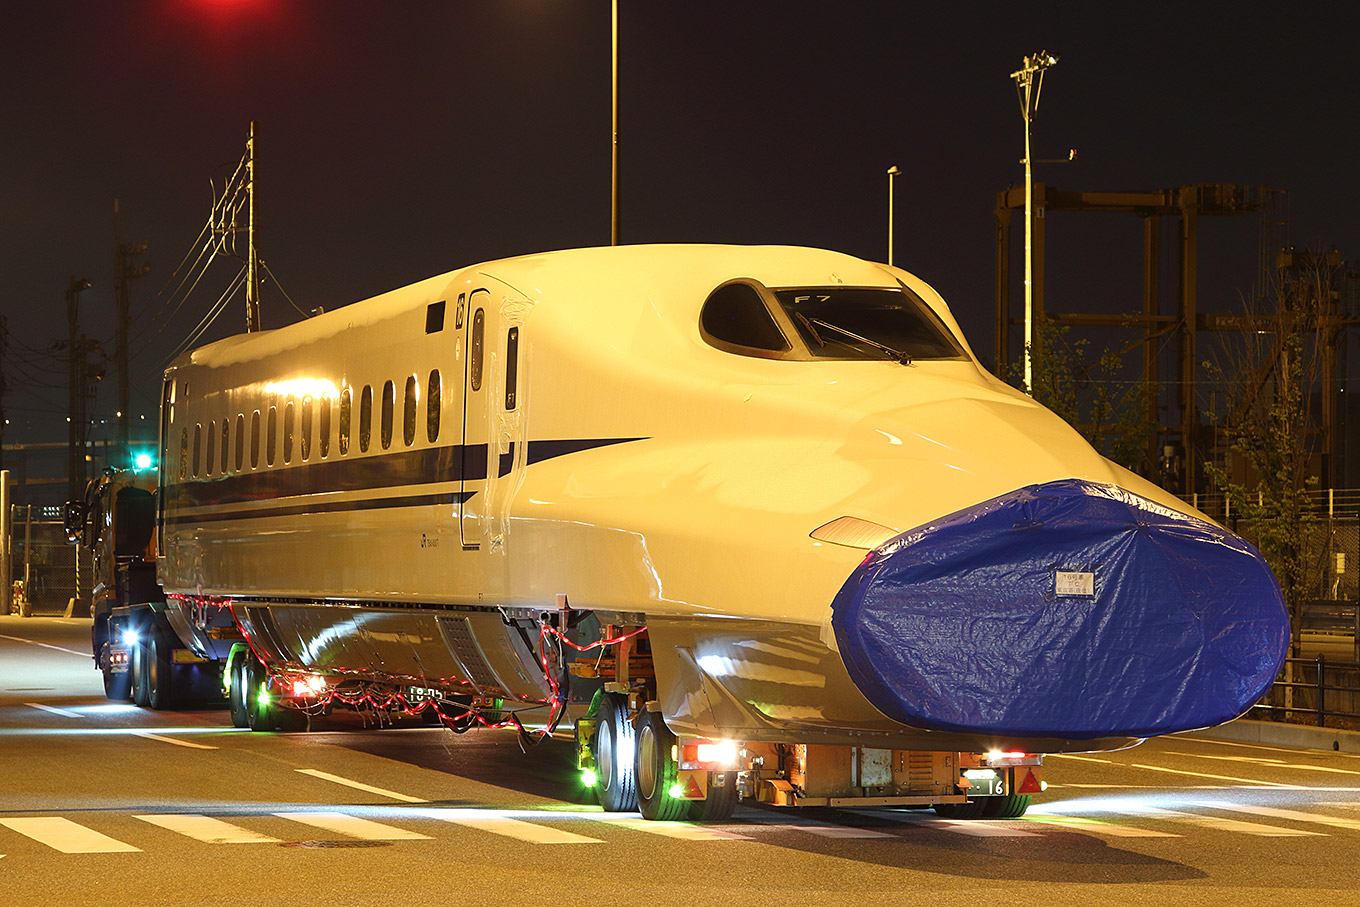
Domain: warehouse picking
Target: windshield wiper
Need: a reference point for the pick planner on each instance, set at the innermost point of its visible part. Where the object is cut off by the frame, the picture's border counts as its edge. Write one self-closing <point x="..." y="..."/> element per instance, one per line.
<point x="896" y="355"/>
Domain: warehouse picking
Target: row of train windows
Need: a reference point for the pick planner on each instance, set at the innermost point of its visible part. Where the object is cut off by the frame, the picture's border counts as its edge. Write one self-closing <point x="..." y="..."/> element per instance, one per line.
<point x="199" y="457"/>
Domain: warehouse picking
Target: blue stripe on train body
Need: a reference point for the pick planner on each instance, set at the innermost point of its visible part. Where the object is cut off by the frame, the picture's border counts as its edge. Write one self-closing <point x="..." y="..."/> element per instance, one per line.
<point x="1068" y="609"/>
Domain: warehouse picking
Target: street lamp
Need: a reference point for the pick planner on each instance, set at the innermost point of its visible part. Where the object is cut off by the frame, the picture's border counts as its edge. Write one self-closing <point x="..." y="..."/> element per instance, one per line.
<point x="892" y="174"/>
<point x="1027" y="88"/>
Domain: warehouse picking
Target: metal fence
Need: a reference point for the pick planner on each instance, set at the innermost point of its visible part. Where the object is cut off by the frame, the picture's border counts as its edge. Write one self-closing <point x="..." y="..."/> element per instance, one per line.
<point x="47" y="575"/>
<point x="1321" y="688"/>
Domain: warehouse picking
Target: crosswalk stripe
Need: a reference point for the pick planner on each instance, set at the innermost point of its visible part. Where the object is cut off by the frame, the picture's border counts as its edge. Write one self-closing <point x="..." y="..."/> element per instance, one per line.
<point x="682" y="830"/>
<point x="1221" y="824"/>
<point x="1292" y="815"/>
<point x="971" y="827"/>
<point x="66" y="836"/>
<point x="1078" y="823"/>
<point x="208" y="829"/>
<point x="354" y="827"/>
<point x="813" y="827"/>
<point x="487" y="820"/>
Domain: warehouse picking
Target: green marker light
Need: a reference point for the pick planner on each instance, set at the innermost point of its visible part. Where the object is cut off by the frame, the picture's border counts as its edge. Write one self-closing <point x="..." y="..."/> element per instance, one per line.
<point x="676" y="790"/>
<point x="588" y="777"/>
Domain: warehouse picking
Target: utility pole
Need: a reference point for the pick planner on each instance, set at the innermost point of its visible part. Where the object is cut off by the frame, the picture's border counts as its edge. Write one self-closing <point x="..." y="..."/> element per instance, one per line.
<point x="4" y="355"/>
<point x="614" y="227"/>
<point x="1027" y="88"/>
<point x="125" y="270"/>
<point x="76" y="352"/>
<point x="252" y="271"/>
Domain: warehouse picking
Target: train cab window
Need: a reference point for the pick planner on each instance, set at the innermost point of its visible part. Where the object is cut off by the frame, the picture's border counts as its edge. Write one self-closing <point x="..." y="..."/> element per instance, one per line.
<point x="346" y="407"/>
<point x="240" y="441"/>
<point x="365" y="418"/>
<point x="867" y="323"/>
<point x="735" y="318"/>
<point x="212" y="448"/>
<point x="432" y="408"/>
<point x="323" y="427"/>
<point x="226" y="445"/>
<point x="475" y="347"/>
<point x="289" y="421"/>
<point x="271" y="441"/>
<point x="184" y="453"/>
<point x="408" y="422"/>
<point x="306" y="436"/>
<point x="198" y="447"/>
<point x="389" y="403"/>
<point x="255" y="439"/>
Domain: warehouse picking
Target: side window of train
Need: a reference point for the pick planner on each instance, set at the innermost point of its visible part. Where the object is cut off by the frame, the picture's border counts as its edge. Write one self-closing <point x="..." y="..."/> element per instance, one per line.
<point x="365" y="418"/>
<point x="184" y="453"/>
<point x="255" y="439"/>
<point x="389" y="403"/>
<point x="735" y="319"/>
<point x="240" y="441"/>
<point x="289" y="421"/>
<point x="198" y="447"/>
<point x="346" y="406"/>
<point x="212" y="447"/>
<point x="511" y="366"/>
<point x="408" y="422"/>
<point x="226" y="444"/>
<point x="306" y="438"/>
<point x="432" y="408"/>
<point x="475" y="349"/>
<point x="271" y="437"/>
<point x="323" y="426"/>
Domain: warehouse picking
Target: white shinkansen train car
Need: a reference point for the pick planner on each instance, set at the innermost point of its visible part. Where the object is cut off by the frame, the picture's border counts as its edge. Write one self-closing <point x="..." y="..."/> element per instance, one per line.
<point x="821" y="552"/>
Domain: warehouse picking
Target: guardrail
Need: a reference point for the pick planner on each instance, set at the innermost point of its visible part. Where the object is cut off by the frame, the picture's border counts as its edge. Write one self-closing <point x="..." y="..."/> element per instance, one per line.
<point x="1312" y="696"/>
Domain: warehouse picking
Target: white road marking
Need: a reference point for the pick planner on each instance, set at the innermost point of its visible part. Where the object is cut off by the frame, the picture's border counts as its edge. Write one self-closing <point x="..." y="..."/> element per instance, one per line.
<point x="682" y="830"/>
<point x="65" y="713"/>
<point x="359" y="785"/>
<point x="1292" y="815"/>
<point x="1079" y="758"/>
<point x="497" y="824"/>
<point x="66" y="836"/>
<point x="1270" y="763"/>
<point x="1251" y="781"/>
<point x="1221" y="824"/>
<point x="163" y="739"/>
<point x="33" y="642"/>
<point x="208" y="829"/>
<point x="354" y="827"/>
<point x="813" y="826"/>
<point x="1077" y="823"/>
<point x="1295" y="751"/>
<point x="972" y="827"/>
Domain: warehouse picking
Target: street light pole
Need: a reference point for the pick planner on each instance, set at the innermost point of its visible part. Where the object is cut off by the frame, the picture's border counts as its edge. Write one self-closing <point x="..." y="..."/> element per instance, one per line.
<point x="614" y="191"/>
<point x="892" y="175"/>
<point x="1027" y="88"/>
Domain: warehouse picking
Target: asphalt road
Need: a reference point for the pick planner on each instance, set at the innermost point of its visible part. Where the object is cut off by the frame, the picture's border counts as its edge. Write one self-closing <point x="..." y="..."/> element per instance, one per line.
<point x="104" y="803"/>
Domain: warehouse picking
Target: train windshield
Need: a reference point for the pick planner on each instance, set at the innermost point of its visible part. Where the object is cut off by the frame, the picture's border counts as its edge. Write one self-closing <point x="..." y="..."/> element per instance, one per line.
<point x="867" y="323"/>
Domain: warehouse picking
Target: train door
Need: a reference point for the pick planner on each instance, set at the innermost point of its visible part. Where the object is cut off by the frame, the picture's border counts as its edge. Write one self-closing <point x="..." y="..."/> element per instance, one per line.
<point x="476" y="423"/>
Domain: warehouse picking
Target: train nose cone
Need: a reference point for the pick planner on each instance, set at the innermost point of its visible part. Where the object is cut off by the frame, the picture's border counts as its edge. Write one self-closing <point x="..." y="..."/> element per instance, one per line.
<point x="1069" y="609"/>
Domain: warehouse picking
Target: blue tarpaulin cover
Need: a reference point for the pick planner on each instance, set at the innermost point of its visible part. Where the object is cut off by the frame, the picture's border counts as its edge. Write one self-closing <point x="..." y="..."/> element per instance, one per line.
<point x="1070" y="609"/>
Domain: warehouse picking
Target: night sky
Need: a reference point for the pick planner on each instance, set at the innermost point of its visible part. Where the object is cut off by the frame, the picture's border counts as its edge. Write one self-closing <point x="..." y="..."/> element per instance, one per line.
<point x="403" y="139"/>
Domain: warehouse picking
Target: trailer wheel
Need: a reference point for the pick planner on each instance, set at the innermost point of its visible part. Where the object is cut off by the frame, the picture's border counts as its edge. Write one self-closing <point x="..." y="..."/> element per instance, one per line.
<point x="721" y="800"/>
<point x="258" y="717"/>
<point x="656" y="769"/>
<point x="973" y="809"/>
<point x="1011" y="807"/>
<point x="237" y="697"/>
<point x="615" y="764"/>
<point x="159" y="672"/>
<point x="137" y="659"/>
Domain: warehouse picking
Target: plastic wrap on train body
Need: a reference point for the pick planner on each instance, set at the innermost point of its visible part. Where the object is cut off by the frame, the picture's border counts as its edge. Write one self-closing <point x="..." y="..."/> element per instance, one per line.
<point x="1069" y="609"/>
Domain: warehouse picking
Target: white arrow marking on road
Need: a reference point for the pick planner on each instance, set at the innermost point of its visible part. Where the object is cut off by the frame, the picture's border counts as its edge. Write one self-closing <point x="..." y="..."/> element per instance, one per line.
<point x="66" y="836"/>
<point x="65" y="713"/>
<point x="359" y="785"/>
<point x="1251" y="781"/>
<point x="1250" y="828"/>
<point x="1078" y="823"/>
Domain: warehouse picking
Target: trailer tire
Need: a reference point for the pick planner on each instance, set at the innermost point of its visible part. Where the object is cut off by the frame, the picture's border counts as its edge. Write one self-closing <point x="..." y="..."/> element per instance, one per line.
<point x="236" y="699"/>
<point x="721" y="800"/>
<point x="973" y="809"/>
<point x="614" y="748"/>
<point x="656" y="769"/>
<point x="1011" y="807"/>
<point x="160" y="672"/>
<point x="137" y="659"/>
<point x="258" y="717"/>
